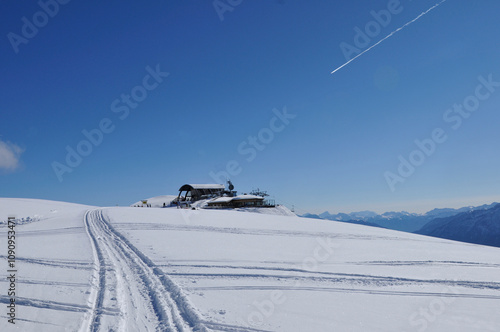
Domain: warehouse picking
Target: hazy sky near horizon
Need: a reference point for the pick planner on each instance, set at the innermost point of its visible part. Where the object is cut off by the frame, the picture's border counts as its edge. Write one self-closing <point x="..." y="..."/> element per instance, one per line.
<point x="111" y="102"/>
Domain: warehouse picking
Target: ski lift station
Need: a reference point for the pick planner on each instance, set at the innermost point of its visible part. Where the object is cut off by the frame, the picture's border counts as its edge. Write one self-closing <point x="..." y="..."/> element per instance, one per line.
<point x="195" y="192"/>
<point x="238" y="202"/>
<point x="218" y="197"/>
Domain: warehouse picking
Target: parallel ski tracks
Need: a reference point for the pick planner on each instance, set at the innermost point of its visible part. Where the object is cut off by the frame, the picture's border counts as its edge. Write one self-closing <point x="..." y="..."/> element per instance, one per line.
<point x="145" y="296"/>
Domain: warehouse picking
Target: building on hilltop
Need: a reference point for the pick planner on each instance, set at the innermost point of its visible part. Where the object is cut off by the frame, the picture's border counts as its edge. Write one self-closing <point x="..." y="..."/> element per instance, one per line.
<point x="239" y="201"/>
<point x="217" y="197"/>
<point x="195" y="192"/>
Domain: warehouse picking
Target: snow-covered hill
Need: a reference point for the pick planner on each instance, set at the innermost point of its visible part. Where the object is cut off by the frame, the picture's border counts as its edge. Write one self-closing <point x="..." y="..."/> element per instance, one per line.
<point x="157" y="201"/>
<point x="137" y="269"/>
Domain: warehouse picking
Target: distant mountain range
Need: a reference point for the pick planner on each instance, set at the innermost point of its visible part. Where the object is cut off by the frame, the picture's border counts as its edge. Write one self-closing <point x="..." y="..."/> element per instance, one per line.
<point x="480" y="224"/>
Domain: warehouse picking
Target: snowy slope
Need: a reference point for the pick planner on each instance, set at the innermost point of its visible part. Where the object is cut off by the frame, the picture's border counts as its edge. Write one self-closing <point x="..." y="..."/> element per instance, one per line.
<point x="54" y="262"/>
<point x="138" y="269"/>
<point x="157" y="201"/>
<point x="278" y="210"/>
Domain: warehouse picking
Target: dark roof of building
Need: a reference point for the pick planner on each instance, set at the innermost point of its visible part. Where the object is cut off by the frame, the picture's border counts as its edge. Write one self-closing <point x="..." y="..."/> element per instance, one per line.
<point x="202" y="186"/>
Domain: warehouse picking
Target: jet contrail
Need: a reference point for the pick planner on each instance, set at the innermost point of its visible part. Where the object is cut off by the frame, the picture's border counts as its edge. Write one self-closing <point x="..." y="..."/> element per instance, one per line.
<point x="389" y="35"/>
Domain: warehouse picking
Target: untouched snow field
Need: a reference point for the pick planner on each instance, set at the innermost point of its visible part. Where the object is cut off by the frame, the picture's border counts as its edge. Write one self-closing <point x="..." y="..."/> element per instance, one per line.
<point x="82" y="268"/>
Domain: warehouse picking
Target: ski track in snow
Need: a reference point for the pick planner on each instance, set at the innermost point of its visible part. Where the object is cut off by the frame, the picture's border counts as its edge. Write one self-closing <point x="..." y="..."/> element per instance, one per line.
<point x="321" y="276"/>
<point x="250" y="231"/>
<point x="347" y="290"/>
<point x="52" y="232"/>
<point x="147" y="299"/>
<point x="54" y="262"/>
<point x="44" y="304"/>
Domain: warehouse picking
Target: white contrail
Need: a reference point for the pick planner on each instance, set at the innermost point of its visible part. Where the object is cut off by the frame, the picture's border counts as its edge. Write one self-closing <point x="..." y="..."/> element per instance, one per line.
<point x="389" y="35"/>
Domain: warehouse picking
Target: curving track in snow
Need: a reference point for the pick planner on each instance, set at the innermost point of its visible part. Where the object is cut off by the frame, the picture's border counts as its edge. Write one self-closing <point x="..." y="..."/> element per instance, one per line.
<point x="128" y="281"/>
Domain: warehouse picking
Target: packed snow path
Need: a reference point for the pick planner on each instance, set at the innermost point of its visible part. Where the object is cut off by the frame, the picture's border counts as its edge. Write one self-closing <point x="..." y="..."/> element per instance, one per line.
<point x="127" y="281"/>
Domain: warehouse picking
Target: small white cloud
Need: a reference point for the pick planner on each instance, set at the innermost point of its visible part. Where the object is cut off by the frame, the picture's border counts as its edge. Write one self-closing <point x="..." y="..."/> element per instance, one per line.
<point x="10" y="154"/>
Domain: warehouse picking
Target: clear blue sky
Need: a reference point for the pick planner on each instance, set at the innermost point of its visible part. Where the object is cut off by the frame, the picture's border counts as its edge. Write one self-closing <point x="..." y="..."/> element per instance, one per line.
<point x="344" y="132"/>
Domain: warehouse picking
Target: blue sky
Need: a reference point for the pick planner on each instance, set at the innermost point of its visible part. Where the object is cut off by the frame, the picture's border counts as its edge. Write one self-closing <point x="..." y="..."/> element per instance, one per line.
<point x="251" y="94"/>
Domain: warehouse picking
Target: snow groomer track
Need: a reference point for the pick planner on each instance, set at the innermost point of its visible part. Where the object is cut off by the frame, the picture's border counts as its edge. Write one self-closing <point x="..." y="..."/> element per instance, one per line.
<point x="130" y="293"/>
